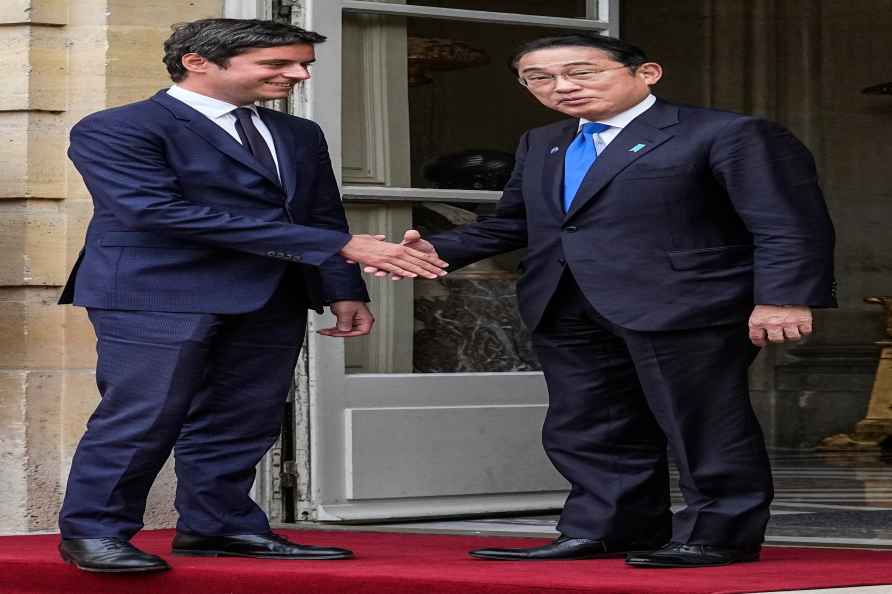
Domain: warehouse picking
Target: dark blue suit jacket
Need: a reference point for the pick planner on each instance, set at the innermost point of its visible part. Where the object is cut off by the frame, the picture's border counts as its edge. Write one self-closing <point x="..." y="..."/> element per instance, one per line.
<point x="185" y="219"/>
<point x="687" y="219"/>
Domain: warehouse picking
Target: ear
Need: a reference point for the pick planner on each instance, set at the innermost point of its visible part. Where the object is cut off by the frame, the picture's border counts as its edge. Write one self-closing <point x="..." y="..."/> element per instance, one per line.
<point x="651" y="72"/>
<point x="195" y="63"/>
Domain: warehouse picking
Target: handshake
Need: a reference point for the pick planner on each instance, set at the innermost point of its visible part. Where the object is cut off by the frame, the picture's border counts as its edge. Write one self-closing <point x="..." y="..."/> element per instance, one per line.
<point x="410" y="258"/>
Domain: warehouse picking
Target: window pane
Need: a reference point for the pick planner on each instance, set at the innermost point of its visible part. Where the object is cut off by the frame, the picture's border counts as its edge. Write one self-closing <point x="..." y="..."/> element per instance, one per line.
<point x="465" y="104"/>
<point x="468" y="321"/>
<point x="555" y="8"/>
<point x="432" y="103"/>
<point x="465" y="322"/>
<point x="425" y="99"/>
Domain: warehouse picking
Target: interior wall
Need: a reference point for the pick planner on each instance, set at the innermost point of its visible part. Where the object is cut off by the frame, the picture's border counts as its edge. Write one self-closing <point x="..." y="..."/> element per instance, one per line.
<point x="803" y="63"/>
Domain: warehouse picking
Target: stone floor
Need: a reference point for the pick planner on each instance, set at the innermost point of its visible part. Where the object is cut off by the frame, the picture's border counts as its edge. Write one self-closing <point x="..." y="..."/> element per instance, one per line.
<point x="821" y="499"/>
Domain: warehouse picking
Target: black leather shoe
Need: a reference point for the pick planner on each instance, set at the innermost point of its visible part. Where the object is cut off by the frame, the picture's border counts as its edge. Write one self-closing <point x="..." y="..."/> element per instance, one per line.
<point x="564" y="548"/>
<point x="676" y="554"/>
<point x="108" y="555"/>
<point x="261" y="546"/>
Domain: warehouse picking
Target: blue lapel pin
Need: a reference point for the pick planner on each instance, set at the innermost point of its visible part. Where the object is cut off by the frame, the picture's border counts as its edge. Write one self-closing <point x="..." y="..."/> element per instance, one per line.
<point x="637" y="148"/>
<point x="555" y="149"/>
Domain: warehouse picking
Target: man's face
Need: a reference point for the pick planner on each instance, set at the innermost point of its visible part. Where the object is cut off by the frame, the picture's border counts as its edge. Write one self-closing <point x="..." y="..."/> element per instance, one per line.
<point x="255" y="75"/>
<point x="591" y="84"/>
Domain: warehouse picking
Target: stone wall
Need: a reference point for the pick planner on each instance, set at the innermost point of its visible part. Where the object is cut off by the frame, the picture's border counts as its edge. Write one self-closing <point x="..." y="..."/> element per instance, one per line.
<point x="59" y="60"/>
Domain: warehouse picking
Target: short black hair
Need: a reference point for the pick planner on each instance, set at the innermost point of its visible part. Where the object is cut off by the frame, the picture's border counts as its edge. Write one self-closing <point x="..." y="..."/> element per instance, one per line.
<point x="621" y="51"/>
<point x="217" y="40"/>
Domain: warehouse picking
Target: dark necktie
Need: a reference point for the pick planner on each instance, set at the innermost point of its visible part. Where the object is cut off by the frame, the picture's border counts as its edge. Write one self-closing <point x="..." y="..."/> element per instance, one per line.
<point x="579" y="159"/>
<point x="252" y="139"/>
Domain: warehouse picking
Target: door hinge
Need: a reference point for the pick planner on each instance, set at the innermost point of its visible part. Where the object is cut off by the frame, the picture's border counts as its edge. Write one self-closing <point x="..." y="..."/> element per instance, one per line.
<point x="288" y="475"/>
<point x="281" y="10"/>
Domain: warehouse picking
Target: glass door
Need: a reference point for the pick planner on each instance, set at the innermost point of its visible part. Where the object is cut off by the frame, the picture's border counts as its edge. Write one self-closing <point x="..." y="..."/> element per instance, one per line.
<point x="439" y="411"/>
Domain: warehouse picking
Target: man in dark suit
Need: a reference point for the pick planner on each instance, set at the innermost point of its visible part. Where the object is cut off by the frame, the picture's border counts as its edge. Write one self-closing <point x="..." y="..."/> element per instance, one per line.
<point x="216" y="225"/>
<point x="654" y="233"/>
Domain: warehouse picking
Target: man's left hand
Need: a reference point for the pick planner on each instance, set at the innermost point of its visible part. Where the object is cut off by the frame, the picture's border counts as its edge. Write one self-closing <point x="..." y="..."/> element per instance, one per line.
<point x="779" y="323"/>
<point x="354" y="319"/>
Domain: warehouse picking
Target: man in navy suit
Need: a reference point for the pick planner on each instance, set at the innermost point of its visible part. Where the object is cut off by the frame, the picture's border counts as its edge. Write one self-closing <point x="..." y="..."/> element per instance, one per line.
<point x="216" y="225"/>
<point x="665" y="245"/>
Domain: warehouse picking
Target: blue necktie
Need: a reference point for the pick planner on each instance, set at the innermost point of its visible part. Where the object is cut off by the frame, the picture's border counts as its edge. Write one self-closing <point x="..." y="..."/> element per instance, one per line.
<point x="578" y="160"/>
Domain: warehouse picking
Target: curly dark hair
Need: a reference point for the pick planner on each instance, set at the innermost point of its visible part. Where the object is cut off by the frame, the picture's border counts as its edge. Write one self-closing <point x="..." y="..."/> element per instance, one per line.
<point x="217" y="40"/>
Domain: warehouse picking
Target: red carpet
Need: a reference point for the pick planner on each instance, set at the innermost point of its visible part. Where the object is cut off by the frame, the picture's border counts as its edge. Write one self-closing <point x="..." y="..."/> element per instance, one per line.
<point x="390" y="563"/>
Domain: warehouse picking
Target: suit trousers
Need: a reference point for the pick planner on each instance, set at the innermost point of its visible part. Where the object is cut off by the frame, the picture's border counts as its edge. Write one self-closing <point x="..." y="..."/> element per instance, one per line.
<point x="211" y="387"/>
<point x="617" y="398"/>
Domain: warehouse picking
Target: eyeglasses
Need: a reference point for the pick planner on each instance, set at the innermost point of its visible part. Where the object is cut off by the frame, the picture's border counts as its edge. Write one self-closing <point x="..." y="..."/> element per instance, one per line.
<point x="540" y="80"/>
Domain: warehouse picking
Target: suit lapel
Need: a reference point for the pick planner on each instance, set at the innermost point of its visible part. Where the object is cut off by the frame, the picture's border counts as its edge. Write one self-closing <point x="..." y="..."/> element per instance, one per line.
<point x="213" y="134"/>
<point x="643" y="135"/>
<point x="553" y="169"/>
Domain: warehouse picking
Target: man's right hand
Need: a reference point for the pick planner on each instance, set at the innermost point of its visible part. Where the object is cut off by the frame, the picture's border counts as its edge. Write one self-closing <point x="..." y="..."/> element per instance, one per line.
<point x="399" y="261"/>
<point x="411" y="239"/>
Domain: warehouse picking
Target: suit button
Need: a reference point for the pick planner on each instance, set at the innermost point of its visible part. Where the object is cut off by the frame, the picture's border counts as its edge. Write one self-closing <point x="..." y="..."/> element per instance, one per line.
<point x="570" y="229"/>
<point x="561" y="261"/>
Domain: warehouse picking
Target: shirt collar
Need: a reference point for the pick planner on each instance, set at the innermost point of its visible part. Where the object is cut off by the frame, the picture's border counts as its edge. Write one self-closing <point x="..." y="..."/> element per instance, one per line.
<point x="621" y="120"/>
<point x="208" y="106"/>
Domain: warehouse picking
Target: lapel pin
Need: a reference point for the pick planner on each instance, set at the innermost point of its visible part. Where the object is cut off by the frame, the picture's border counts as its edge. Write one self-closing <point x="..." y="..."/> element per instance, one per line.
<point x="555" y="149"/>
<point x="637" y="148"/>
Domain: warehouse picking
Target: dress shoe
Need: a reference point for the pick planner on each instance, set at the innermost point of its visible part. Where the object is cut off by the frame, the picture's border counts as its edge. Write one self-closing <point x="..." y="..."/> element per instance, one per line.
<point x="261" y="546"/>
<point x="108" y="555"/>
<point x="562" y="549"/>
<point x="676" y="554"/>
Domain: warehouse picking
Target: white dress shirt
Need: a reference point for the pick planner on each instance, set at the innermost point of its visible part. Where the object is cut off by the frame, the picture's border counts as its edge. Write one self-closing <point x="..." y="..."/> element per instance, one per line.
<point x="617" y="123"/>
<point x="221" y="114"/>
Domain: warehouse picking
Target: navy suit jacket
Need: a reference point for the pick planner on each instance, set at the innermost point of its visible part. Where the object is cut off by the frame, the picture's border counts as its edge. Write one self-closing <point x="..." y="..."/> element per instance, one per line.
<point x="185" y="219"/>
<point x="687" y="219"/>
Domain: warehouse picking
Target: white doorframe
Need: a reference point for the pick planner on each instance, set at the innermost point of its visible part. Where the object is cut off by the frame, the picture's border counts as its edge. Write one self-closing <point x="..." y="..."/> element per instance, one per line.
<point x="246" y="9"/>
<point x="349" y="413"/>
<point x="339" y="401"/>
